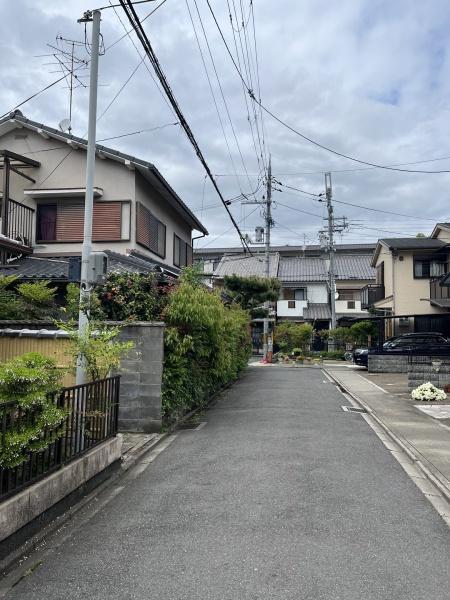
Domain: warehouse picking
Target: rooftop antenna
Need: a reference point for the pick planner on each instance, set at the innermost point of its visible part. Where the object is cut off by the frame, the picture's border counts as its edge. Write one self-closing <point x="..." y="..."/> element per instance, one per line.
<point x="71" y="58"/>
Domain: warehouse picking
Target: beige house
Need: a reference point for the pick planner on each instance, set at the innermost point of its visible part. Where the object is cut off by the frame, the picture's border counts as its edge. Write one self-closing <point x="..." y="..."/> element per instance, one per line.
<point x="406" y="271"/>
<point x="135" y="209"/>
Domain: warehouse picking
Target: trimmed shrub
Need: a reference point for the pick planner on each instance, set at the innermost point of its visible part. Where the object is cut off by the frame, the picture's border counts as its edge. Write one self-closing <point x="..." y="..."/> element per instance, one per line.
<point x="206" y="346"/>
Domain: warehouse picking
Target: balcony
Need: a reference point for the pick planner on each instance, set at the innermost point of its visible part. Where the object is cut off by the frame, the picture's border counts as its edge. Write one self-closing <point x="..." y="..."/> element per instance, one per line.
<point x="440" y="290"/>
<point x="370" y="294"/>
<point x="16" y="227"/>
<point x="291" y="308"/>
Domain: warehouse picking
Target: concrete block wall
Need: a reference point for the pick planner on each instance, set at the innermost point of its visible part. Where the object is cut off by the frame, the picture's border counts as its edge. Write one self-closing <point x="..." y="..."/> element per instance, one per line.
<point x="35" y="499"/>
<point x="419" y="373"/>
<point x="141" y="370"/>
<point x="386" y="363"/>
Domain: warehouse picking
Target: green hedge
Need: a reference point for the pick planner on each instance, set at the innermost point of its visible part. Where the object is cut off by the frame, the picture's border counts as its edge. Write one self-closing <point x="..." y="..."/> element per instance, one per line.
<point x="206" y="346"/>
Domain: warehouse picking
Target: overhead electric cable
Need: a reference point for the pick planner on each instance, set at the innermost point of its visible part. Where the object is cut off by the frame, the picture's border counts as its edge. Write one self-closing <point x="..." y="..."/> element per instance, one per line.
<point x="379" y="210"/>
<point x="135" y="23"/>
<point x="299" y="133"/>
<point x="222" y="94"/>
<point x="244" y="90"/>
<point x="213" y="97"/>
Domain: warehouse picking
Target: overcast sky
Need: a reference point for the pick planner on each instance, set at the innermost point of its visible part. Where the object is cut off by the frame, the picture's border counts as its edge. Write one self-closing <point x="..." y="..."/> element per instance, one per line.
<point x="367" y="78"/>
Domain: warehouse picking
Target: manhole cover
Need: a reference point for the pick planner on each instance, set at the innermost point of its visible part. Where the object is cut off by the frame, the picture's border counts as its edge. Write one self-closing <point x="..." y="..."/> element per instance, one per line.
<point x="353" y="409"/>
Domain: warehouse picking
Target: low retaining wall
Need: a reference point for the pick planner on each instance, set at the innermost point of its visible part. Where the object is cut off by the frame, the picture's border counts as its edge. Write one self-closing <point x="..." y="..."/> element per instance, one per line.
<point x="388" y="363"/>
<point x="35" y="499"/>
<point x="437" y="374"/>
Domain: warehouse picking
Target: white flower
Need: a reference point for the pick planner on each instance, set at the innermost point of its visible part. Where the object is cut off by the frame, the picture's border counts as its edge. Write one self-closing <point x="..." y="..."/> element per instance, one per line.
<point x="427" y="391"/>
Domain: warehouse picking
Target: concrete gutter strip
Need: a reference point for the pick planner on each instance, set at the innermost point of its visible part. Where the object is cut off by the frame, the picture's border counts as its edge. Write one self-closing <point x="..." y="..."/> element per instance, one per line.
<point x="425" y="466"/>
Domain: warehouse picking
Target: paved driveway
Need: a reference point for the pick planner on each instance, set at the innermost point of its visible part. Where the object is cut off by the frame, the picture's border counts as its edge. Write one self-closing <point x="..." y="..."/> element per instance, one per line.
<point x="282" y="495"/>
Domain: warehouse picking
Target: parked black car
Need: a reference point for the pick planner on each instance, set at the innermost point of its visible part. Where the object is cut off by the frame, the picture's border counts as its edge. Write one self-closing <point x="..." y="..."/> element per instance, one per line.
<point x="361" y="356"/>
<point x="414" y="341"/>
<point x="427" y="341"/>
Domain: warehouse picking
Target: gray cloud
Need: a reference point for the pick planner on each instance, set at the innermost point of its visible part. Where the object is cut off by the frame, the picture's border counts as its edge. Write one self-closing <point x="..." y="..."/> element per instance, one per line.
<point x="369" y="78"/>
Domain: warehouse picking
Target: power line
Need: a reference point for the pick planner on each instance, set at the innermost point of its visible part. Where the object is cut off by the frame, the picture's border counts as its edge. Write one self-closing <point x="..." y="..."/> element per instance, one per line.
<point x="228" y="230"/>
<point x="379" y="210"/>
<point x="213" y="95"/>
<point x="299" y="133"/>
<point x="137" y="26"/>
<point x="222" y="93"/>
<point x="305" y="212"/>
<point x="116" y="137"/>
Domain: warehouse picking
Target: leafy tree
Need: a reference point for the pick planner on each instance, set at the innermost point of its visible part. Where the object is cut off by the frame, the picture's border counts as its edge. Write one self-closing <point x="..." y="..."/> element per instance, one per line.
<point x="252" y="292"/>
<point x="39" y="298"/>
<point x="290" y="335"/>
<point x="358" y="333"/>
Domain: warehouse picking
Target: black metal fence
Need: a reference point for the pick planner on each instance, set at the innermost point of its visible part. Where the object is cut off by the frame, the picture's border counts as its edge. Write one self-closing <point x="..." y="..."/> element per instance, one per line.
<point x="92" y="417"/>
<point x="423" y="352"/>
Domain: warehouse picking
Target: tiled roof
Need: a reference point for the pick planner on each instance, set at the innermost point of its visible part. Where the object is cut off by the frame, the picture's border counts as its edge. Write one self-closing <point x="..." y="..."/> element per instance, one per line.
<point x="351" y="266"/>
<point x="347" y="267"/>
<point x="424" y="243"/>
<point x="302" y="269"/>
<point x="57" y="268"/>
<point x="246" y="266"/>
<point x="317" y="312"/>
<point x="286" y="248"/>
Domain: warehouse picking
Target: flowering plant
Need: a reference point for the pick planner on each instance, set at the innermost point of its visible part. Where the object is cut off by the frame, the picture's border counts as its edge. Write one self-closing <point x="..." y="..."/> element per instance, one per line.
<point x="428" y="392"/>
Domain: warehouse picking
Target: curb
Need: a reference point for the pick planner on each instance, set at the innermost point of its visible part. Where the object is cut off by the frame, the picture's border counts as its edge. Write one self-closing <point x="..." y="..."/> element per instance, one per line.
<point x="38" y="539"/>
<point x="428" y="470"/>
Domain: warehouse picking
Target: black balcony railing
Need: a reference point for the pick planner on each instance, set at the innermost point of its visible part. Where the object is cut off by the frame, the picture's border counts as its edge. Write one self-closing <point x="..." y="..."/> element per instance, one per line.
<point x="370" y="294"/>
<point x="439" y="291"/>
<point x="19" y="226"/>
<point x="92" y="417"/>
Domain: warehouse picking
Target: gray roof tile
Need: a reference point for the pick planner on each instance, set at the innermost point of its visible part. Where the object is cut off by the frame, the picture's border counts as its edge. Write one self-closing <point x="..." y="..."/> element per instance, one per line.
<point x="351" y="266"/>
<point x="317" y="311"/>
<point x="246" y="266"/>
<point x="57" y="268"/>
<point x="302" y="269"/>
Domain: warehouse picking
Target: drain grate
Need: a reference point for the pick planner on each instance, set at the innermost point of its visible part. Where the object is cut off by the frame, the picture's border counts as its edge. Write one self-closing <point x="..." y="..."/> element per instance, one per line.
<point x="353" y="409"/>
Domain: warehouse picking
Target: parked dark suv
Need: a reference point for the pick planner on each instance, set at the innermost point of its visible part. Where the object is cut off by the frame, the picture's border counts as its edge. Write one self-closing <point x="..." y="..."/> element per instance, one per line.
<point x="432" y="342"/>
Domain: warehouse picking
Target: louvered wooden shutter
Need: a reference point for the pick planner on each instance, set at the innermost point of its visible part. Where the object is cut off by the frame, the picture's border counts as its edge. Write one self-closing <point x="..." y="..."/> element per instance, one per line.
<point x="107" y="224"/>
<point x="150" y="232"/>
<point x="69" y="222"/>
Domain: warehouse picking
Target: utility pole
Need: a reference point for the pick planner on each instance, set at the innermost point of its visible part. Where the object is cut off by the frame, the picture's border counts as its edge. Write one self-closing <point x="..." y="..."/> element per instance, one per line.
<point x="85" y="290"/>
<point x="267" y="341"/>
<point x="331" y="273"/>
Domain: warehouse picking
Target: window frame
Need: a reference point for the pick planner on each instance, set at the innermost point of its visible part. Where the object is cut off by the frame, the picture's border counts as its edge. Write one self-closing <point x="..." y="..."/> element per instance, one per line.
<point x="157" y="223"/>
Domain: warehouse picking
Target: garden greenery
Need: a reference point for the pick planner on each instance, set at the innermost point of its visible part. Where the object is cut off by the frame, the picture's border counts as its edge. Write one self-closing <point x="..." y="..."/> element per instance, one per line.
<point x="27" y="381"/>
<point x="289" y="335"/>
<point x="207" y="344"/>
<point x="99" y="346"/>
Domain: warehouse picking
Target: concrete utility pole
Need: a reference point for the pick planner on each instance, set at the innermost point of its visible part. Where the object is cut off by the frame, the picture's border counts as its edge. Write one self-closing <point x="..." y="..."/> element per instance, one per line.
<point x="331" y="273"/>
<point x="267" y="342"/>
<point x="85" y="290"/>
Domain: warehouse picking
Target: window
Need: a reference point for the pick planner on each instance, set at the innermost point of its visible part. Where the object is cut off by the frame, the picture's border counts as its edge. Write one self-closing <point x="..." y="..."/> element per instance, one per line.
<point x="150" y="231"/>
<point x="291" y="303"/>
<point x="300" y="294"/>
<point x="64" y="222"/>
<point x="182" y="252"/>
<point x="348" y="294"/>
<point x="380" y="274"/>
<point x="350" y="304"/>
<point x="46" y="222"/>
<point x="426" y="267"/>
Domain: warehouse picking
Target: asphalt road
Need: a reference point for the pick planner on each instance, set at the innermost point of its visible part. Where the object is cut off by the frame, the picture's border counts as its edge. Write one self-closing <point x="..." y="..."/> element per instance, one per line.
<point x="281" y="496"/>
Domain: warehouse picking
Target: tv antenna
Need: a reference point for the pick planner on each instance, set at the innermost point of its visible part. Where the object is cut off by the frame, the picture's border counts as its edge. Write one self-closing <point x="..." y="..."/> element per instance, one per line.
<point x="71" y="58"/>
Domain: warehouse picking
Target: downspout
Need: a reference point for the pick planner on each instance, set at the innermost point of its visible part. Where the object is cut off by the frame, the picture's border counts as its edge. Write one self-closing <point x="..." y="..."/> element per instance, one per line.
<point x="394" y="257"/>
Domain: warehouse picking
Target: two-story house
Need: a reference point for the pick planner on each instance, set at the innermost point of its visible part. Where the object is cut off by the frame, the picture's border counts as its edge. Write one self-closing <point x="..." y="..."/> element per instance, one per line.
<point x="405" y="270"/>
<point x="136" y="212"/>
